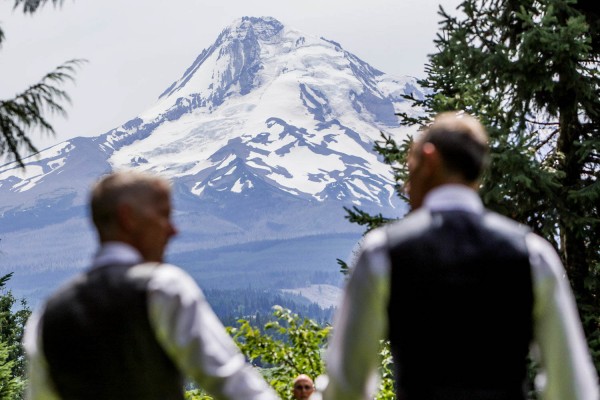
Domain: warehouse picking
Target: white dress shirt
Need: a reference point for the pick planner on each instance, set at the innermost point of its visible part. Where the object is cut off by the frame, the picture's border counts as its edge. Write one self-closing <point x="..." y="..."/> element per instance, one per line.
<point x="567" y="372"/>
<point x="184" y="324"/>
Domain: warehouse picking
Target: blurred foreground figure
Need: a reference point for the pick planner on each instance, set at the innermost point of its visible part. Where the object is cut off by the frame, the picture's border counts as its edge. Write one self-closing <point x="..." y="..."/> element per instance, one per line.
<point x="461" y="293"/>
<point x="131" y="327"/>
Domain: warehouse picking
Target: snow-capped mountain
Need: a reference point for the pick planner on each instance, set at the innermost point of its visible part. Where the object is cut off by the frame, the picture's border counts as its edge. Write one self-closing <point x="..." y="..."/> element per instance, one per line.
<point x="266" y="135"/>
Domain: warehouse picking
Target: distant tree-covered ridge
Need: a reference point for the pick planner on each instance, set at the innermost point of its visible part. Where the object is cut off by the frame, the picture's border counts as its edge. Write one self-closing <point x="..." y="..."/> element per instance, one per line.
<point x="256" y="305"/>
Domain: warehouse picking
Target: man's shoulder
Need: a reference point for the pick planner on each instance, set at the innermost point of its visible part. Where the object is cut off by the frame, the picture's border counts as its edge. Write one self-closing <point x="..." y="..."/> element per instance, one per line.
<point x="155" y="271"/>
<point x="417" y="222"/>
<point x="168" y="279"/>
<point x="409" y="227"/>
<point x="121" y="276"/>
<point x="503" y="224"/>
<point x="67" y="291"/>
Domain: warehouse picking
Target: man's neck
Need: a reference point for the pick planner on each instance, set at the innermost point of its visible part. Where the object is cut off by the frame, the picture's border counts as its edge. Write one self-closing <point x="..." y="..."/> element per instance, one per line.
<point x="116" y="252"/>
<point x="453" y="197"/>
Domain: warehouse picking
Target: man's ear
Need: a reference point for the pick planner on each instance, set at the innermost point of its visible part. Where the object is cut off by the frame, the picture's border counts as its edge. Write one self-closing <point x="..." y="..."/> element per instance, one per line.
<point x="431" y="158"/>
<point x="126" y="217"/>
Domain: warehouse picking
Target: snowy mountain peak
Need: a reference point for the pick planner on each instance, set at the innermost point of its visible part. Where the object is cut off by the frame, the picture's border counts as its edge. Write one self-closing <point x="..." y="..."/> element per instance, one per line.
<point x="265" y="108"/>
<point x="234" y="58"/>
<point x="262" y="28"/>
<point x="266" y="136"/>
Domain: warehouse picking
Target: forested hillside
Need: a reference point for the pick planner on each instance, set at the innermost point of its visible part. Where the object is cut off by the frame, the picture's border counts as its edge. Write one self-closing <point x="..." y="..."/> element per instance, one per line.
<point x="256" y="305"/>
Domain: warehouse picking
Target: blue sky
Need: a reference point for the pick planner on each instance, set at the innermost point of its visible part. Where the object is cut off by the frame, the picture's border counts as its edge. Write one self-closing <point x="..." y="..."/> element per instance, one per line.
<point x="137" y="48"/>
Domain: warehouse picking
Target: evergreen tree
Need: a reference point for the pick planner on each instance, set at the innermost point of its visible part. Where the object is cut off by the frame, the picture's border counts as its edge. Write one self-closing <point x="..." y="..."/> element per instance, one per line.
<point x="26" y="111"/>
<point x="12" y="354"/>
<point x="10" y="386"/>
<point x="529" y="71"/>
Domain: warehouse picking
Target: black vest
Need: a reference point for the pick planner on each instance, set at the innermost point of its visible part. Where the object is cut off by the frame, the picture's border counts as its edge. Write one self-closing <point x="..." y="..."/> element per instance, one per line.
<point x="98" y="341"/>
<point x="460" y="311"/>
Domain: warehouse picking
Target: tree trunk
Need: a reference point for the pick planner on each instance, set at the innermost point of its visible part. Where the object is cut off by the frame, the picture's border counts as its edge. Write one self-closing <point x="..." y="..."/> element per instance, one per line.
<point x="573" y="249"/>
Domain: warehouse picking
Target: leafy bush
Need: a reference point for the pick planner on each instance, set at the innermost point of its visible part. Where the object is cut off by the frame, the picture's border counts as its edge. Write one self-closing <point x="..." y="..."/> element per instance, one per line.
<point x="283" y="348"/>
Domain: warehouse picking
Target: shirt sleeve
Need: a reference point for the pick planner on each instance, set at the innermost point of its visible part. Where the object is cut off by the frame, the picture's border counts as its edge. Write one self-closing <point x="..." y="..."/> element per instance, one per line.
<point x="39" y="385"/>
<point x="194" y="337"/>
<point x="360" y="324"/>
<point x="567" y="371"/>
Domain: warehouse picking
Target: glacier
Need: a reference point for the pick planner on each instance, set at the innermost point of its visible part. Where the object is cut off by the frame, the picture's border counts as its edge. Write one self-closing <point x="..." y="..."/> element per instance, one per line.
<point x="266" y="136"/>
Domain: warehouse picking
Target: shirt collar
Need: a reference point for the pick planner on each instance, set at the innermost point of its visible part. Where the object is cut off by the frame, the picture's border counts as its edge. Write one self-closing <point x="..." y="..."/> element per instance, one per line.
<point x="116" y="253"/>
<point x="453" y="197"/>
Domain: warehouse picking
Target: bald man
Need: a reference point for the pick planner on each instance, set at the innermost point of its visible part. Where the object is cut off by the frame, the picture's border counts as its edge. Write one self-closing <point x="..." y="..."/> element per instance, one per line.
<point x="461" y="292"/>
<point x="303" y="387"/>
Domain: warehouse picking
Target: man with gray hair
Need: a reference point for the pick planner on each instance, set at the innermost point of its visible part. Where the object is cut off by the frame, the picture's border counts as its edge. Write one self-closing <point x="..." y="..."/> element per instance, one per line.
<point x="132" y="327"/>
<point x="460" y="292"/>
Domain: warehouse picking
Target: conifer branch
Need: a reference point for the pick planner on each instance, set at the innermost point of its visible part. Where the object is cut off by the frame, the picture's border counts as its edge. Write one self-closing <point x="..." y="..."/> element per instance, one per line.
<point x="31" y="6"/>
<point x="26" y="111"/>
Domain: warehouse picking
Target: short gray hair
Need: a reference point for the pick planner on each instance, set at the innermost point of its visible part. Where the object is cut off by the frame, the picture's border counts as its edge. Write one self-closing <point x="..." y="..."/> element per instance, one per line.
<point x="120" y="187"/>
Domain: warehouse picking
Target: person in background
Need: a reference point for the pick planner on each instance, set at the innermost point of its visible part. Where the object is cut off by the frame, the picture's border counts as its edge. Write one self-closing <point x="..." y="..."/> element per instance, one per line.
<point x="132" y="327"/>
<point x="303" y="387"/>
<point x="461" y="293"/>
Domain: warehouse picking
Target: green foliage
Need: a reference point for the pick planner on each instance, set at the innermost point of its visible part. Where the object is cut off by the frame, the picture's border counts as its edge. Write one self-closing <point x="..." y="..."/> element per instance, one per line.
<point x="18" y="116"/>
<point x="291" y="345"/>
<point x="344" y="267"/>
<point x="286" y="347"/>
<point x="12" y="354"/>
<point x="386" y="385"/>
<point x="10" y="386"/>
<point x="357" y="216"/>
<point x="12" y="325"/>
<point x="196" y="394"/>
<point x="26" y="111"/>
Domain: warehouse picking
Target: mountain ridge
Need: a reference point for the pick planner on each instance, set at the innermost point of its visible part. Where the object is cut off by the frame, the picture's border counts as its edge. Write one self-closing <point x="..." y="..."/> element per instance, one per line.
<point x="267" y="135"/>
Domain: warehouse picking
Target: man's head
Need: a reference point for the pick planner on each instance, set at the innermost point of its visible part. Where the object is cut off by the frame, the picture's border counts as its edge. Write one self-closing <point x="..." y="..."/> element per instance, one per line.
<point x="303" y="387"/>
<point x="453" y="149"/>
<point x="135" y="209"/>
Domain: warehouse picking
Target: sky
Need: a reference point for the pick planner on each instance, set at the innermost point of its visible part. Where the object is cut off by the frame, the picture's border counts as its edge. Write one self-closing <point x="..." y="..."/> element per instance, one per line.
<point x="136" y="48"/>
